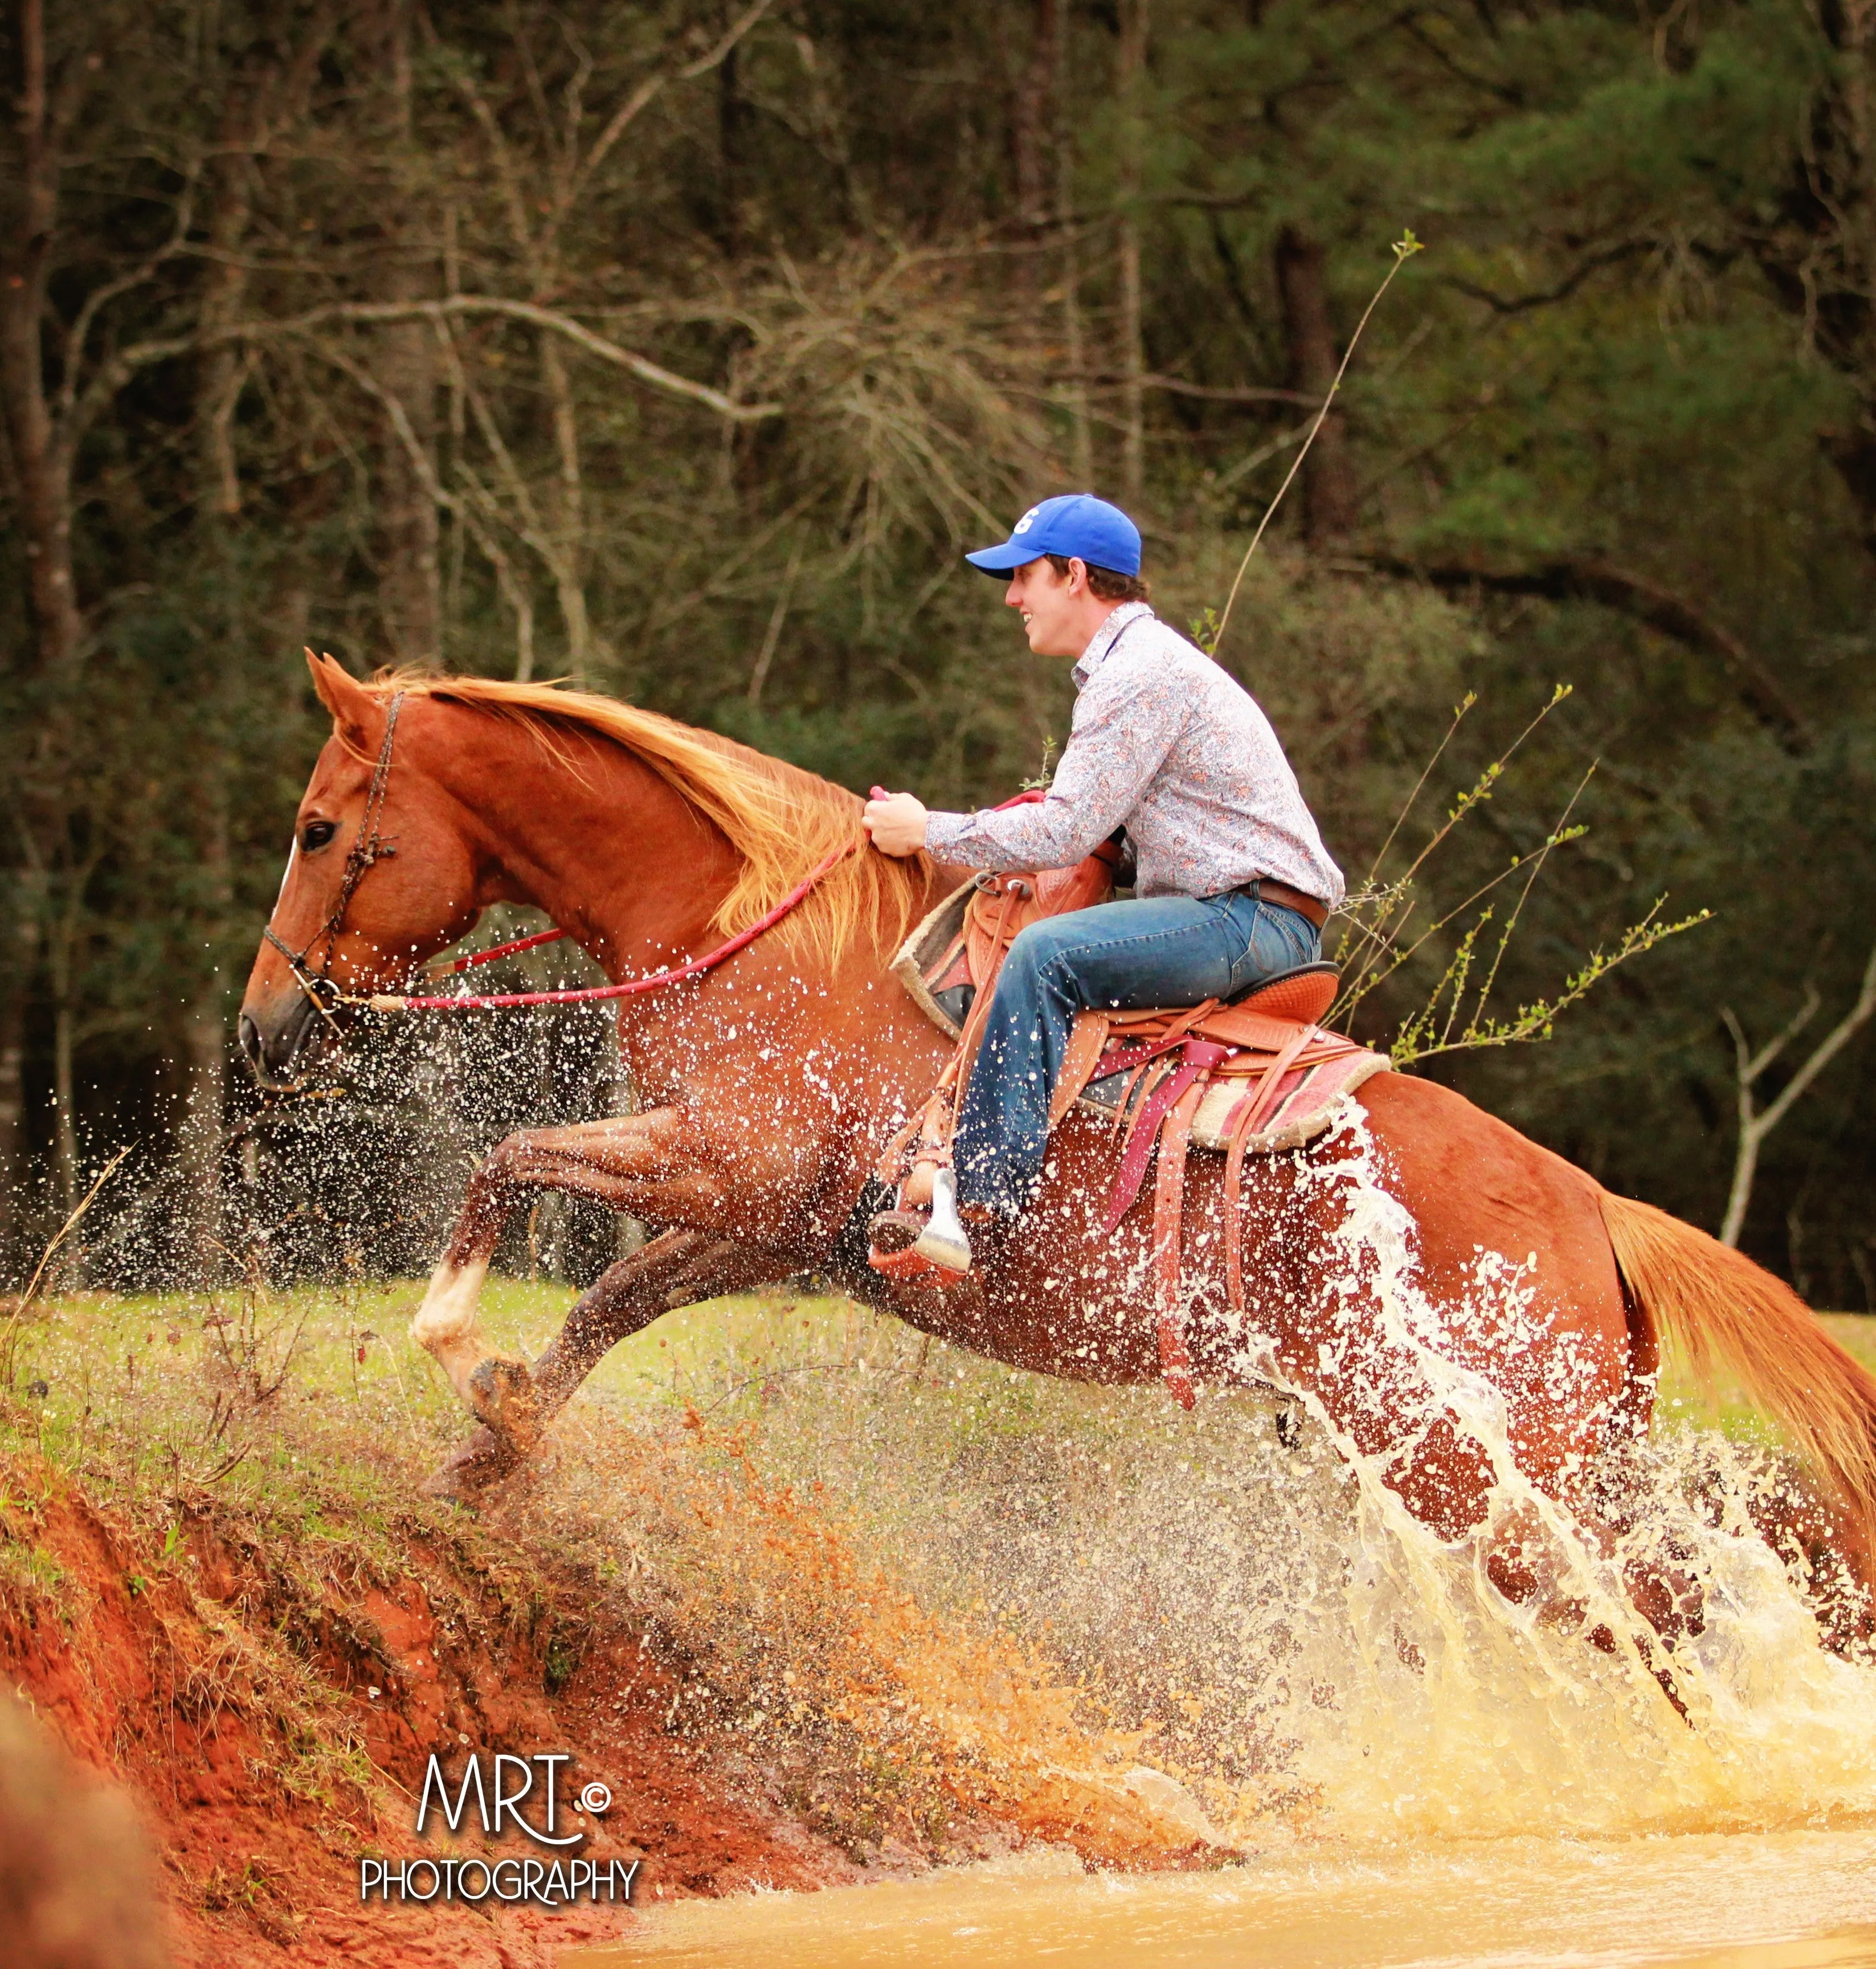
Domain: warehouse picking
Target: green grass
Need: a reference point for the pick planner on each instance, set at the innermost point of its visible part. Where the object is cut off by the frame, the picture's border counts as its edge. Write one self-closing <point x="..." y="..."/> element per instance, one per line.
<point x="153" y="1392"/>
<point x="1686" y="1401"/>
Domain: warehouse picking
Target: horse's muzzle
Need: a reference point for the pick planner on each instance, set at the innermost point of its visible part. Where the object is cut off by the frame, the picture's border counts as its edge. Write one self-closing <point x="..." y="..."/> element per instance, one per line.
<point x="274" y="1035"/>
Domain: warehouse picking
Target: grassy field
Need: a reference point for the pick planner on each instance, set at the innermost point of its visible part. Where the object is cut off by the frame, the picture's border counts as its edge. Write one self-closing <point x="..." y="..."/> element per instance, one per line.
<point x="150" y="1393"/>
<point x="1685" y="1401"/>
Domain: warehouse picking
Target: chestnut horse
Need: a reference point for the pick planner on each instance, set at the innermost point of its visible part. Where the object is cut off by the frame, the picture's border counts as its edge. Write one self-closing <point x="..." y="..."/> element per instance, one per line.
<point x="768" y="1086"/>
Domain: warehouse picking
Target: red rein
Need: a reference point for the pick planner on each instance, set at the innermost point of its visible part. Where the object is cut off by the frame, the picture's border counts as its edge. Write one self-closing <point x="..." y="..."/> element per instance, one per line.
<point x="387" y="1001"/>
<point x="502" y="1000"/>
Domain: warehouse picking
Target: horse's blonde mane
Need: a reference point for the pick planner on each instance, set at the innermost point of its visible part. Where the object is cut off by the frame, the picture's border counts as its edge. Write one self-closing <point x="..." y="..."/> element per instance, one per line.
<point x="782" y="820"/>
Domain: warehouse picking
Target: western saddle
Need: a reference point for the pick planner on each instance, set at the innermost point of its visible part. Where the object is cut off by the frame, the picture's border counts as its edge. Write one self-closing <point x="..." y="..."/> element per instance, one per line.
<point x="1251" y="1077"/>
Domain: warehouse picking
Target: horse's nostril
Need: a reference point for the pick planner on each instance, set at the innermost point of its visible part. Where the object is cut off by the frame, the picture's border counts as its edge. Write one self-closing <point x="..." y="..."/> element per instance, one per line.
<point x="249" y="1035"/>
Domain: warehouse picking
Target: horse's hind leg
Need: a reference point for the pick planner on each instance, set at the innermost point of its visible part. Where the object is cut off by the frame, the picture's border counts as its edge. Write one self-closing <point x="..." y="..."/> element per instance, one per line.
<point x="678" y="1269"/>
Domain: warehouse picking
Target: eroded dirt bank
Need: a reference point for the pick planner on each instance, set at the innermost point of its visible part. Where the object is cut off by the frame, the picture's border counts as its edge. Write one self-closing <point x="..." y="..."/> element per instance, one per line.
<point x="270" y="1700"/>
<point x="220" y="1582"/>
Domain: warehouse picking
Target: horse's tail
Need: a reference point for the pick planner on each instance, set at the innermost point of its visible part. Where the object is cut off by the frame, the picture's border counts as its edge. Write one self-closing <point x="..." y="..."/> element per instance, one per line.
<point x="1723" y="1308"/>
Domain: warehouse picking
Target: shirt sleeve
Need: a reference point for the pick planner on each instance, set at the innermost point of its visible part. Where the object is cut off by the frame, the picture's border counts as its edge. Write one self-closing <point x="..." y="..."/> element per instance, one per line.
<point x="1123" y="729"/>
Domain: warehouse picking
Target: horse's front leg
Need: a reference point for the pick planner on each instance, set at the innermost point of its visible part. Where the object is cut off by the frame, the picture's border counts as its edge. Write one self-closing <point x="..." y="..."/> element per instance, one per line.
<point x="677" y="1268"/>
<point x="646" y="1164"/>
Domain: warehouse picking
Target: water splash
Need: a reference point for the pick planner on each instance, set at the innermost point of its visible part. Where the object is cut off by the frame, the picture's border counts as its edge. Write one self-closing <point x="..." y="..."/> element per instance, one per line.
<point x="1041" y="1579"/>
<point x="1457" y="1710"/>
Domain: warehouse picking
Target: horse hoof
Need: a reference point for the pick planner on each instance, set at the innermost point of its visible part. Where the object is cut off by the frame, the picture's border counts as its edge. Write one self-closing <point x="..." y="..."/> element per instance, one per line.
<point x="503" y="1398"/>
<point x="482" y="1460"/>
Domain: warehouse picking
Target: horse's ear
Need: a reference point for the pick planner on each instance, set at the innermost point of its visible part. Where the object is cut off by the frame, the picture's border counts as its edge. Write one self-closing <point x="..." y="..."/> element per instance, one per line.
<point x="356" y="713"/>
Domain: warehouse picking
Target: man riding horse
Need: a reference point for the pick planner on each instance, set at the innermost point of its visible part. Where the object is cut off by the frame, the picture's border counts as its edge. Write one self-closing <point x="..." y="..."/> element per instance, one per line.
<point x="1232" y="884"/>
<point x="1349" y="1269"/>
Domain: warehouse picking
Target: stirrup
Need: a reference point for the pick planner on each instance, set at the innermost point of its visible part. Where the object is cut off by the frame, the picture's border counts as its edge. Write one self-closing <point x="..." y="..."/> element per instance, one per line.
<point x="942" y="1242"/>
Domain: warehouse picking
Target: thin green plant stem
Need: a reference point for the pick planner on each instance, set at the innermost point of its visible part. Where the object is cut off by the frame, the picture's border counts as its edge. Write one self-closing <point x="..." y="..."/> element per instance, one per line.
<point x="1400" y="957"/>
<point x="1426" y="772"/>
<point x="1482" y="787"/>
<point x="1404" y="249"/>
<point x="1535" y="1021"/>
<point x="1537" y="861"/>
<point x="1377" y="937"/>
<point x="1378" y="940"/>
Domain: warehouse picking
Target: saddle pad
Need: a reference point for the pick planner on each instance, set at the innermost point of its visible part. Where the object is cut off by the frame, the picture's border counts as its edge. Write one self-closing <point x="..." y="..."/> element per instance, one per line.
<point x="1303" y="1110"/>
<point x="934" y="966"/>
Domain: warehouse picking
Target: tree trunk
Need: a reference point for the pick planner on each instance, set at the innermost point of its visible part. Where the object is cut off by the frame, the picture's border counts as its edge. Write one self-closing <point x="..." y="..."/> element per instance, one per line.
<point x="1032" y="134"/>
<point x="1131" y="74"/>
<point x="733" y="119"/>
<point x="411" y="588"/>
<point x="12" y="1115"/>
<point x="569" y="562"/>
<point x="64" y="1121"/>
<point x="224" y="367"/>
<point x="25" y="931"/>
<point x="1081" y="452"/>
<point x="62" y="951"/>
<point x="41" y="454"/>
<point x="206" y="1048"/>
<point x="1328" y="489"/>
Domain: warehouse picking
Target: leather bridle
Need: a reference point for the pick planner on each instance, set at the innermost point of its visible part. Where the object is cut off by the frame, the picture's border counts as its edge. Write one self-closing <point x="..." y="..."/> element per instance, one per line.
<point x="369" y="847"/>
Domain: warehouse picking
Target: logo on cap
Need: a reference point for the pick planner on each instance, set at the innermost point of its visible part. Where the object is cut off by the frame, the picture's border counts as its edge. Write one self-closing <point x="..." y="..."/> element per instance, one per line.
<point x="1023" y="525"/>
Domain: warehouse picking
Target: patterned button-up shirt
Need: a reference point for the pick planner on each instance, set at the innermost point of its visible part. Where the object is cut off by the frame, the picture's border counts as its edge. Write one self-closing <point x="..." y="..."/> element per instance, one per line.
<point x="1167" y="745"/>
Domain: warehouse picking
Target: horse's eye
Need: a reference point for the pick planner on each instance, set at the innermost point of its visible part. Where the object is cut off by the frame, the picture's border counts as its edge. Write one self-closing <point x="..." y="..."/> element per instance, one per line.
<point x="316" y="833"/>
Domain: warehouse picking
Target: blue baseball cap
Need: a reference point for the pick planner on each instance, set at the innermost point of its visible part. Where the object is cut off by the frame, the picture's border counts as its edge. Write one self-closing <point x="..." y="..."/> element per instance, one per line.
<point x="1077" y="525"/>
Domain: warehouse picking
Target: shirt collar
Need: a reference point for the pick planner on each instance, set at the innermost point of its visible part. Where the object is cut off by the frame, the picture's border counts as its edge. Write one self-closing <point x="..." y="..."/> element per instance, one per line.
<point x="1104" y="639"/>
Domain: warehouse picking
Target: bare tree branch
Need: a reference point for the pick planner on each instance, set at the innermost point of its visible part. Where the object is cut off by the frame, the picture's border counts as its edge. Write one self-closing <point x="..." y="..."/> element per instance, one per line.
<point x="101" y="297"/>
<point x="712" y="57"/>
<point x="141" y="354"/>
<point x="1591" y="263"/>
<point x="1581" y="578"/>
<point x="513" y="591"/>
<point x="1177" y="386"/>
<point x="1756" y="1124"/>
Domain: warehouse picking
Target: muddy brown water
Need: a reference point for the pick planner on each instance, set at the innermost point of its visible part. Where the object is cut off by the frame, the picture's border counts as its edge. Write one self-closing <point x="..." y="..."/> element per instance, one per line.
<point x="1789" y="1900"/>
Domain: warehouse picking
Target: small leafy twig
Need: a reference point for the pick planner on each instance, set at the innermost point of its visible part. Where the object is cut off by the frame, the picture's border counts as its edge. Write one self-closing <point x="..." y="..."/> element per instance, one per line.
<point x="1374" y="916"/>
<point x="1367" y="914"/>
<point x="1045" y="778"/>
<point x="1397" y="957"/>
<point x="1537" y="1021"/>
<point x="1459" y="710"/>
<point x="1482" y="789"/>
<point x="1561" y="833"/>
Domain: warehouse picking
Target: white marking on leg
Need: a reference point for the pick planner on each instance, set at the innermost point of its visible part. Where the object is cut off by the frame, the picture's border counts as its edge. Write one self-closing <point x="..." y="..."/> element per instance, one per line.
<point x="445" y="1326"/>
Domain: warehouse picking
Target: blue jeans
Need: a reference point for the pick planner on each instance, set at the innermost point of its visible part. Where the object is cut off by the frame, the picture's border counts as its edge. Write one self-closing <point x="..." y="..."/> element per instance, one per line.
<point x="1163" y="950"/>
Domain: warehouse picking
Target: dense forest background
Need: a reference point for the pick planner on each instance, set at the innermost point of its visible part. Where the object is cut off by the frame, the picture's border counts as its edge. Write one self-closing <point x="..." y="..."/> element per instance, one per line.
<point x="679" y="348"/>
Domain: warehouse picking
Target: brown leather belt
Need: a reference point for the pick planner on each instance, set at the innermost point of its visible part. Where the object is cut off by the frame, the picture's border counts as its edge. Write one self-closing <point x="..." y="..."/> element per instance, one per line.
<point x="1266" y="889"/>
